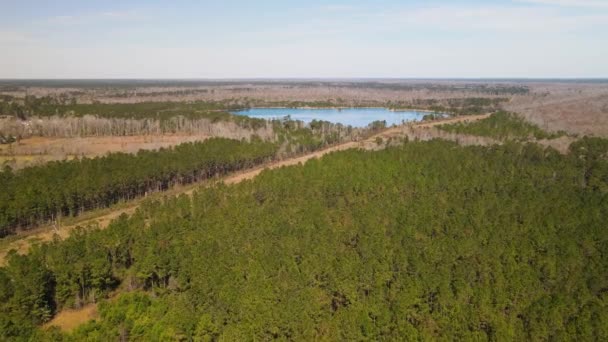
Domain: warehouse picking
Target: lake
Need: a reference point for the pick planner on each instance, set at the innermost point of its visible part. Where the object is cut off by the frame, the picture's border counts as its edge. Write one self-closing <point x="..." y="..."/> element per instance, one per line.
<point x="356" y="117"/>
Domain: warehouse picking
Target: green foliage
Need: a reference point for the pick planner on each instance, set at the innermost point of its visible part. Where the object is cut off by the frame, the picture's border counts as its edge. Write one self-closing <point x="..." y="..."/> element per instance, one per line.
<point x="429" y="241"/>
<point x="592" y="154"/>
<point x="377" y="125"/>
<point x="8" y="139"/>
<point x="300" y="138"/>
<point x="63" y="188"/>
<point x="455" y="106"/>
<point x="501" y="125"/>
<point x="27" y="296"/>
<point x="431" y="117"/>
<point x="138" y="317"/>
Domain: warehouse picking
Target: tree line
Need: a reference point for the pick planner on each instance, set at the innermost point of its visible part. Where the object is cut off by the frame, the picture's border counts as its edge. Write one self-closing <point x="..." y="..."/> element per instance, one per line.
<point x="502" y="125"/>
<point x="45" y="106"/>
<point x="67" y="188"/>
<point x="427" y="241"/>
<point x="56" y="117"/>
<point x="42" y="193"/>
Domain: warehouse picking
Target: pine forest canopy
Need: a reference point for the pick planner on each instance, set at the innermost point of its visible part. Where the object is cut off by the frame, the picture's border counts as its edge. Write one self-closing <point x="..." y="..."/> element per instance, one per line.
<point x="428" y="241"/>
<point x="66" y="188"/>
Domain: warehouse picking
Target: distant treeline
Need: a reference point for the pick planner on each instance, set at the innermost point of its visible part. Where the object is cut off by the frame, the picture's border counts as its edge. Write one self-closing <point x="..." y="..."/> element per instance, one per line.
<point x="218" y="111"/>
<point x="66" y="188"/>
<point x="65" y="106"/>
<point x="454" y="106"/>
<point x="428" y="241"/>
<point x="60" y="117"/>
<point x="218" y="124"/>
<point x="490" y="89"/>
<point x="457" y="85"/>
<point x="502" y="125"/>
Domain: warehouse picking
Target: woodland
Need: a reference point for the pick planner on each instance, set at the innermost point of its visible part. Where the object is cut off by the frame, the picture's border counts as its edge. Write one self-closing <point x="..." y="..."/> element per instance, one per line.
<point x="424" y="241"/>
<point x="416" y="240"/>
<point x="502" y="125"/>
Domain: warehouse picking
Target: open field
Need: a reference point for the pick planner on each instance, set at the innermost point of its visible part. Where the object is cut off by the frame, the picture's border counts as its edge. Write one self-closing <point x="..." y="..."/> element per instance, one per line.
<point x="575" y="108"/>
<point x="37" y="150"/>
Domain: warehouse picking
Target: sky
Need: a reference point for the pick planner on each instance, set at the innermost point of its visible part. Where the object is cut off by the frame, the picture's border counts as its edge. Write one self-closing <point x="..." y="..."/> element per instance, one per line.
<point x="304" y="39"/>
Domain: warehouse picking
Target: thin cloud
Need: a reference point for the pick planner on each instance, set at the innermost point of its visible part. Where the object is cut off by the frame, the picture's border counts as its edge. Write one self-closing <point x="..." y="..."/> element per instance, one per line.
<point x="338" y="8"/>
<point x="88" y="17"/>
<point x="523" y="19"/>
<point x="119" y="14"/>
<point x="569" y="3"/>
<point x="15" y="37"/>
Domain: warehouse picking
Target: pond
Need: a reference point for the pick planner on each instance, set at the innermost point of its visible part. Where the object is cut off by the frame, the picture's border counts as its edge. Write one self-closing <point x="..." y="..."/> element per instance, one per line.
<point x="356" y="117"/>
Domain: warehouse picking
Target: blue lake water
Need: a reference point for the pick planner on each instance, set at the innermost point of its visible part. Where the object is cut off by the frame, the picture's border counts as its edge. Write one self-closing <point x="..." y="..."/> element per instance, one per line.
<point x="356" y="117"/>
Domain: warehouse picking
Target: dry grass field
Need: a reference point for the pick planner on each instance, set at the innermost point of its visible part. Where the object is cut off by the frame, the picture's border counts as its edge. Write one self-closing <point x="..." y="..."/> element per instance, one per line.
<point x="69" y="319"/>
<point x="38" y="150"/>
<point x="575" y="108"/>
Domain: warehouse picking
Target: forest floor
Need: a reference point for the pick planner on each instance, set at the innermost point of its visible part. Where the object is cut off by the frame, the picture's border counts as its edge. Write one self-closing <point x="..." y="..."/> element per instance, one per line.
<point x="39" y="150"/>
<point x="101" y="218"/>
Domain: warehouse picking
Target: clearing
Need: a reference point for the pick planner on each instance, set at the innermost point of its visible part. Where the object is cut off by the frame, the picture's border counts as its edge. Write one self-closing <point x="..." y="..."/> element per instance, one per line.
<point x="69" y="319"/>
<point x="39" y="150"/>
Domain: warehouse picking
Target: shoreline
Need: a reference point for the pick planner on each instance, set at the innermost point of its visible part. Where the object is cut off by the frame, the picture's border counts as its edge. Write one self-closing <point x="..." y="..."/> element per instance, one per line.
<point x="348" y="107"/>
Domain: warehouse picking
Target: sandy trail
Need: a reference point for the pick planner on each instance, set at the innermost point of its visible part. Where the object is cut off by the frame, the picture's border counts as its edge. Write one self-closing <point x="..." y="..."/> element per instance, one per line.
<point x="46" y="233"/>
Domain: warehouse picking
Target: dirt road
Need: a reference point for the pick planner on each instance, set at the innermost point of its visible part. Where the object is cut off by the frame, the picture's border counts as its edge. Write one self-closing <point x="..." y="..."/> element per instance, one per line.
<point x="22" y="244"/>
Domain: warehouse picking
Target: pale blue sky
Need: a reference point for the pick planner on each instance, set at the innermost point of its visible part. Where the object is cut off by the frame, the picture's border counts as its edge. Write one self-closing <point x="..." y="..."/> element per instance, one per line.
<point x="238" y="39"/>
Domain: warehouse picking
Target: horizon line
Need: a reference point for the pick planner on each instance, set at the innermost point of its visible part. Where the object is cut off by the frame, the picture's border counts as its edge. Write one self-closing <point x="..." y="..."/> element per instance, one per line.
<point x="289" y="78"/>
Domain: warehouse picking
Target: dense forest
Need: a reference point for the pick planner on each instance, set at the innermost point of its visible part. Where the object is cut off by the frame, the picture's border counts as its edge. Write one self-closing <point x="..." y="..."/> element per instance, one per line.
<point x="452" y="106"/>
<point x="502" y="125"/>
<point x="66" y="188"/>
<point x="427" y="241"/>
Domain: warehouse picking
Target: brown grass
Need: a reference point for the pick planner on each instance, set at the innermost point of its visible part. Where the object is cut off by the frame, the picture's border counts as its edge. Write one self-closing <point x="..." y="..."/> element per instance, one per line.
<point x="574" y="108"/>
<point x="39" y="150"/>
<point x="68" y="319"/>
